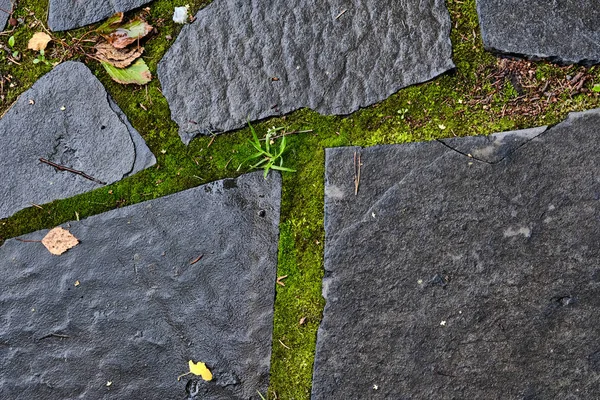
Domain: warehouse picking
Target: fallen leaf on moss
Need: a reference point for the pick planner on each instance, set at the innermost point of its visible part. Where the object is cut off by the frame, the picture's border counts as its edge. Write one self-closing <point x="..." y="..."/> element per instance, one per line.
<point x="59" y="240"/>
<point x="137" y="73"/>
<point x="110" y="24"/>
<point x="39" y="41"/>
<point x="119" y="58"/>
<point x="128" y="33"/>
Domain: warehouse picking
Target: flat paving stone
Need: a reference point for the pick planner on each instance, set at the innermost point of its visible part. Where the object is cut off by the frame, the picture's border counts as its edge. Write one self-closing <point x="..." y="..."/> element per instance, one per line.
<point x="565" y="31"/>
<point x="119" y="315"/>
<point x="451" y="276"/>
<point x="6" y="6"/>
<point x="69" y="14"/>
<point x="67" y="118"/>
<point x="258" y="59"/>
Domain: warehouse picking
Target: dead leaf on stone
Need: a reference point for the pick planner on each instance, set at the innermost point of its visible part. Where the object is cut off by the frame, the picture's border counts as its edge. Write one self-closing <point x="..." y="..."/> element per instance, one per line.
<point x="39" y="41"/>
<point x="59" y="240"/>
<point x="119" y="58"/>
<point x="128" y="33"/>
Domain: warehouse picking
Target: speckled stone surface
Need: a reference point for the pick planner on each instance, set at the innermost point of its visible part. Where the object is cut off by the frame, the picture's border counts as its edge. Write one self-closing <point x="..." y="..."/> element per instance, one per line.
<point x="119" y="315"/>
<point x="565" y="31"/>
<point x="464" y="270"/>
<point x="68" y="118"/>
<point x="70" y="14"/>
<point x="251" y="60"/>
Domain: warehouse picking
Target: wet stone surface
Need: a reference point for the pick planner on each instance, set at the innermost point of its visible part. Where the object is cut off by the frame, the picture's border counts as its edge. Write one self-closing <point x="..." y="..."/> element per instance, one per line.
<point x="457" y="277"/>
<point x="67" y="118"/>
<point x="252" y="60"/>
<point x="560" y="30"/>
<point x="189" y="276"/>
<point x="70" y="14"/>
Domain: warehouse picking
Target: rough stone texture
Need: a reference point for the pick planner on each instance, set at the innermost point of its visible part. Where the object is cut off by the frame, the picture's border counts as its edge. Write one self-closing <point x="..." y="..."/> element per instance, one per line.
<point x="4" y="5"/>
<point x="70" y="14"/>
<point x="565" y="31"/>
<point x="141" y="309"/>
<point x="219" y="72"/>
<point x="91" y="135"/>
<point x="453" y="278"/>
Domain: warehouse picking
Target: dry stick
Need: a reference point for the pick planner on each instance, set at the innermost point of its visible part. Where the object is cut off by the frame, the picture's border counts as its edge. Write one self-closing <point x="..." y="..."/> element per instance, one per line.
<point x="28" y="241"/>
<point x="340" y="14"/>
<point x="197" y="259"/>
<point x="73" y="171"/>
<point x="356" y="173"/>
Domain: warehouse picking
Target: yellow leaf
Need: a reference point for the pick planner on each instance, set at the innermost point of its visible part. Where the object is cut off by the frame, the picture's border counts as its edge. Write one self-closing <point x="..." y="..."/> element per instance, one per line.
<point x="201" y="370"/>
<point x="59" y="240"/>
<point x="39" y="41"/>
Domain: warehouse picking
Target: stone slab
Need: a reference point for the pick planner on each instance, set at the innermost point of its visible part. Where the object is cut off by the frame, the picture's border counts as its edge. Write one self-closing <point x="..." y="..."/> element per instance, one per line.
<point x="142" y="308"/>
<point x="68" y="118"/>
<point x="4" y="5"/>
<point x="252" y="60"/>
<point x="69" y="14"/>
<point x="564" y="31"/>
<point x="453" y="277"/>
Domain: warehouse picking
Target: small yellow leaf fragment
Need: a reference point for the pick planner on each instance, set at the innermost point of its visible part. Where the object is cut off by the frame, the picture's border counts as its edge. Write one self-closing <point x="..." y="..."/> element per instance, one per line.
<point x="201" y="370"/>
<point x="59" y="240"/>
<point x="76" y="283"/>
<point x="39" y="41"/>
<point x="108" y="383"/>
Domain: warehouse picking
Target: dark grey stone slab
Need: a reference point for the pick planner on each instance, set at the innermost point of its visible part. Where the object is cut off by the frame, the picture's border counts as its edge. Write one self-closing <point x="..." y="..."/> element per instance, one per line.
<point x="68" y="118"/>
<point x="5" y="5"/>
<point x="448" y="277"/>
<point x="68" y="14"/>
<point x="141" y="309"/>
<point x="564" y="31"/>
<point x="252" y="60"/>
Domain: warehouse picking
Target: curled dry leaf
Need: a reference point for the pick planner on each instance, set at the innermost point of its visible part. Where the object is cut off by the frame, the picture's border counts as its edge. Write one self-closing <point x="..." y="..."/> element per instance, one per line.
<point x="39" y="41"/>
<point x="137" y="73"/>
<point x="128" y="33"/>
<point x="119" y="58"/>
<point x="59" y="240"/>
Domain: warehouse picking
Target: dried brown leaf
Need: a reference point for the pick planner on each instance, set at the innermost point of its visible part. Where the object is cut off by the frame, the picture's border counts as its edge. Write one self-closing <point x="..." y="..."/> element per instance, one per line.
<point x="39" y="41"/>
<point x="59" y="240"/>
<point x="119" y="58"/>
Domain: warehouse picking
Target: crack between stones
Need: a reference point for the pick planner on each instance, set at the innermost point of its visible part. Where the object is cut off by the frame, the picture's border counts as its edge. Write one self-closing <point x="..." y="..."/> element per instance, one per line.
<point x="471" y="157"/>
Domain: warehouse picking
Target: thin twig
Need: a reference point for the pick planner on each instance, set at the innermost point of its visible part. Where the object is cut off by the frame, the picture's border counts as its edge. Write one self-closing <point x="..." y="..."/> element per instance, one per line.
<point x="356" y="173"/>
<point x="340" y="14"/>
<point x="54" y="335"/>
<point x="284" y="344"/>
<point x="197" y="259"/>
<point x="73" y="171"/>
<point x="28" y="241"/>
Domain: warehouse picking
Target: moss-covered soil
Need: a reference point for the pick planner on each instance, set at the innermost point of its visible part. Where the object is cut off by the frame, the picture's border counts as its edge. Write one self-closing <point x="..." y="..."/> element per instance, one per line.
<point x="483" y="95"/>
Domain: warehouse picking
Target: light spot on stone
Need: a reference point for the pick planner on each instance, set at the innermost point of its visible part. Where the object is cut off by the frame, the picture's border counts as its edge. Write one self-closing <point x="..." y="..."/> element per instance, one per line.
<point x="510" y="232"/>
<point x="443" y="323"/>
<point x="334" y="192"/>
<point x="551" y="207"/>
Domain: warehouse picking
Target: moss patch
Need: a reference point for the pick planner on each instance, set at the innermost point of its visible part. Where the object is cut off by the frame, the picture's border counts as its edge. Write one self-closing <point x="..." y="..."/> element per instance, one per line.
<point x="482" y="96"/>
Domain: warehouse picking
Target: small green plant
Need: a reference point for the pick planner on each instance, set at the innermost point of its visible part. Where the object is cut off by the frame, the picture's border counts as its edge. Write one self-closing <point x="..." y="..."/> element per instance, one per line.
<point x="11" y="44"/>
<point x="402" y="112"/>
<point x="596" y="88"/>
<point x="270" y="156"/>
<point x="41" y="58"/>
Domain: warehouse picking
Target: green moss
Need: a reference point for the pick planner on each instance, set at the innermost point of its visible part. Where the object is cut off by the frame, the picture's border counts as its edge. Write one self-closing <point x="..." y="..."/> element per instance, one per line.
<point x="450" y="105"/>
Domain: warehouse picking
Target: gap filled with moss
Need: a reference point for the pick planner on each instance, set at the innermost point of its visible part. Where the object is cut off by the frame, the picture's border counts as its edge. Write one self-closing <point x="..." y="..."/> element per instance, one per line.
<point x="481" y="96"/>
